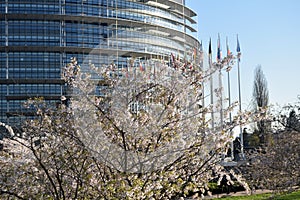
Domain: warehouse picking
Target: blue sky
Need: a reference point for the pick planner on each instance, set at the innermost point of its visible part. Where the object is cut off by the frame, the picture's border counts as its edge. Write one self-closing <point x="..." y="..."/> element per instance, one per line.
<point x="269" y="35"/>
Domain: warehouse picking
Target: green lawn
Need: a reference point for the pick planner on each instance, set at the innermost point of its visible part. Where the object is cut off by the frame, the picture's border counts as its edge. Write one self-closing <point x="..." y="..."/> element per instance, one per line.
<point x="291" y="196"/>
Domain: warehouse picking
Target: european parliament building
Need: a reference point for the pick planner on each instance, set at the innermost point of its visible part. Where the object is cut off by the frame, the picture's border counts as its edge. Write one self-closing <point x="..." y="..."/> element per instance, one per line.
<point x="38" y="38"/>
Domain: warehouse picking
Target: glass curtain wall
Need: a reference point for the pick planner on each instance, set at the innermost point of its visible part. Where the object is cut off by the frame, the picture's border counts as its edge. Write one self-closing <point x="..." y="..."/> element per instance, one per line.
<point x="38" y="37"/>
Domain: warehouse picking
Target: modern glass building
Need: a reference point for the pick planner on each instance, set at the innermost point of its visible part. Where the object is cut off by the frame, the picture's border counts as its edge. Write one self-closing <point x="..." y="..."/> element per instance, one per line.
<point x="38" y="37"/>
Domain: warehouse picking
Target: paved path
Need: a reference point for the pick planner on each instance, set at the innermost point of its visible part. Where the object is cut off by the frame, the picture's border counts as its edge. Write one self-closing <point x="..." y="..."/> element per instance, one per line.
<point x="242" y="193"/>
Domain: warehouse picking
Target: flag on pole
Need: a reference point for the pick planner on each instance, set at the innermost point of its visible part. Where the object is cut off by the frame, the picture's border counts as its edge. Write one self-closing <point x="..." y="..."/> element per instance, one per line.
<point x="201" y="56"/>
<point x="209" y="47"/>
<point x="127" y="71"/>
<point x="228" y="50"/>
<point x="209" y="53"/>
<point x="201" y="46"/>
<point x="194" y="54"/>
<point x="141" y="67"/>
<point x="172" y="57"/>
<point x="172" y="60"/>
<point x="238" y="48"/>
<point x="219" y="49"/>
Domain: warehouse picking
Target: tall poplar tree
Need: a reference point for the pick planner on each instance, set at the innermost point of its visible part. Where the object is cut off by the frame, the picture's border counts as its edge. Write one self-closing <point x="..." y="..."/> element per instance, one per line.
<point x="261" y="100"/>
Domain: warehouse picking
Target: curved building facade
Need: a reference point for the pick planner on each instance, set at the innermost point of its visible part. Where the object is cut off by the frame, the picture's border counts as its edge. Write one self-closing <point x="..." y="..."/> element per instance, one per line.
<point x="38" y="37"/>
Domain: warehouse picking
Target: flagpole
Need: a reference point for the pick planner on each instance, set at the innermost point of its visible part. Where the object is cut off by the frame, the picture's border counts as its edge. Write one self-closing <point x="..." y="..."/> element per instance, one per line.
<point x="228" y="78"/>
<point x="211" y="86"/>
<point x="212" y="99"/>
<point x="221" y="98"/>
<point x="229" y="92"/>
<point x="229" y="103"/>
<point x="201" y="58"/>
<point x="240" y="97"/>
<point x="220" y="81"/>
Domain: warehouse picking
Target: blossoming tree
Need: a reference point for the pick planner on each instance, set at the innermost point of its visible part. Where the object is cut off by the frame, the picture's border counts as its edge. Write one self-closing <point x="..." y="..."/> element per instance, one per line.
<point x="275" y="165"/>
<point x="133" y="133"/>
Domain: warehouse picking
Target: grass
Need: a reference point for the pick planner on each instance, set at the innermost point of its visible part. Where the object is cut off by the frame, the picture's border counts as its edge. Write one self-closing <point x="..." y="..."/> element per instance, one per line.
<point x="290" y="196"/>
